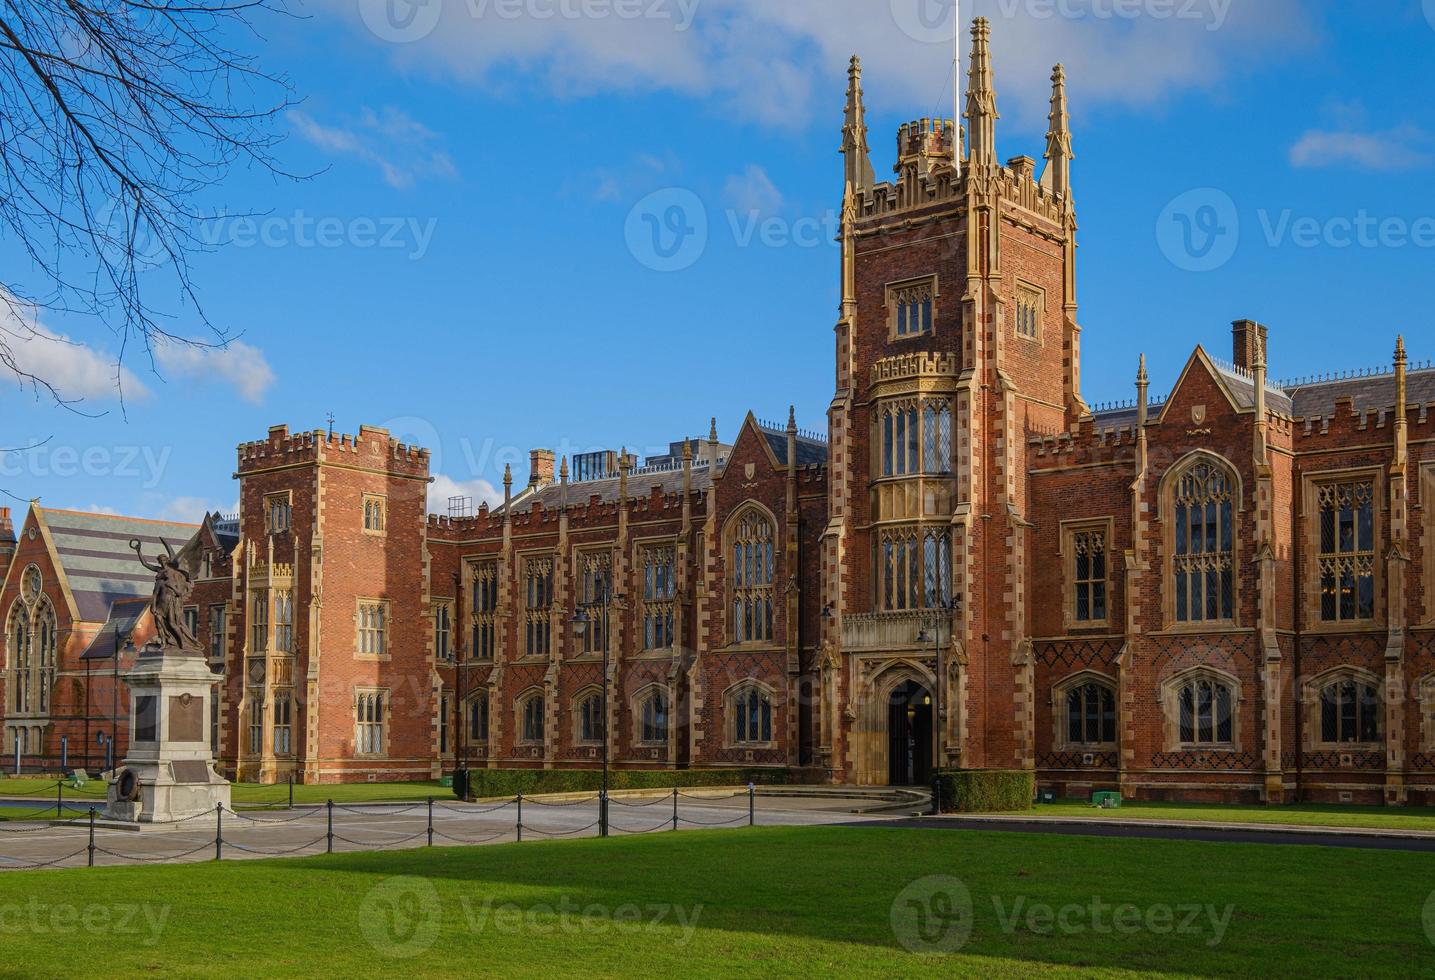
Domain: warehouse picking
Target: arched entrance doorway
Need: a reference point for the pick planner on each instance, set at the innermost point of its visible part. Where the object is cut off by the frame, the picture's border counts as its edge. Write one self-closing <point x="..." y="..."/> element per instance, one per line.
<point x="910" y="735"/>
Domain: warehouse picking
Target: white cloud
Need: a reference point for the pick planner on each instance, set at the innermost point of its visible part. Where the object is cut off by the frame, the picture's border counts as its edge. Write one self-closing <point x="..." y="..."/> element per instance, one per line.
<point x="188" y="510"/>
<point x="1402" y="148"/>
<point x="752" y="191"/>
<point x="766" y="60"/>
<point x="238" y="364"/>
<point x="99" y="509"/>
<point x="444" y="487"/>
<point x="73" y="368"/>
<point x="403" y="149"/>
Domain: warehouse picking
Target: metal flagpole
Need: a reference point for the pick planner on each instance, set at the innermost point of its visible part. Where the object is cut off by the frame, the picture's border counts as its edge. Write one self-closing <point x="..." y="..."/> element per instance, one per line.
<point x="957" y="84"/>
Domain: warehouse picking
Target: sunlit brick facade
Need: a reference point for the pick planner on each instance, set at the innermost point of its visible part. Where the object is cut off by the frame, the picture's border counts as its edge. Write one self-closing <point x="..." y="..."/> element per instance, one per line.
<point x="1220" y="593"/>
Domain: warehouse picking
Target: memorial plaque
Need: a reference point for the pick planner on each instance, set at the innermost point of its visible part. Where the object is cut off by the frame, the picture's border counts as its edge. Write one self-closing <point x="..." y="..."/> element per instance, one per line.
<point x="186" y="718"/>
<point x="146" y="719"/>
<point x="189" y="771"/>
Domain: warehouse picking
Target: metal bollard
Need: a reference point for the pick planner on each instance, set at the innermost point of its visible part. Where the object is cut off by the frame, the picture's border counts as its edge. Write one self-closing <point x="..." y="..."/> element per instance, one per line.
<point x="60" y="800"/>
<point x="520" y="817"/>
<point x="291" y="790"/>
<point x="430" y="821"/>
<point x="936" y="796"/>
<point x="751" y="805"/>
<point x="92" y="837"/>
<point x="675" y="808"/>
<point x="330" y="848"/>
<point x="218" y="831"/>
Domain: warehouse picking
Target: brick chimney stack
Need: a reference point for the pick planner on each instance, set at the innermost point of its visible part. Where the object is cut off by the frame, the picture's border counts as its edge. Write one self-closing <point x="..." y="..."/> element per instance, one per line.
<point x="1245" y="336"/>
<point x="540" y="472"/>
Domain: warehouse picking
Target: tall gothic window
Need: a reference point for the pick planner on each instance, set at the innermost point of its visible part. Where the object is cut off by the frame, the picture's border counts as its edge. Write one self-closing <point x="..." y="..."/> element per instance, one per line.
<point x="46" y="635"/>
<point x="1347" y="551"/>
<point x="590" y="719"/>
<point x="478" y="719"/>
<point x="1349" y="712"/>
<point x="1090" y="715"/>
<point x="218" y="630"/>
<point x="442" y="631"/>
<point x="1028" y="312"/>
<point x="485" y="611"/>
<point x="751" y="709"/>
<point x="916" y="437"/>
<point x="1087" y="548"/>
<point x="915" y="568"/>
<point x="373" y="627"/>
<point x="593" y="585"/>
<point x="912" y="309"/>
<point x="1206" y="712"/>
<point x="19" y="653"/>
<point x="659" y="591"/>
<point x="283" y="723"/>
<point x="538" y="594"/>
<point x="284" y="620"/>
<point x="1203" y="513"/>
<point x="259" y="622"/>
<point x="653" y="712"/>
<point x="752" y="574"/>
<point x="369" y="717"/>
<point x="530" y="714"/>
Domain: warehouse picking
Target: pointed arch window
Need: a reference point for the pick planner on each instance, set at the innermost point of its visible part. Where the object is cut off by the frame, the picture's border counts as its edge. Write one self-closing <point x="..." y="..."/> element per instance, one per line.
<point x="478" y="719"/>
<point x="1350" y="711"/>
<point x="751" y="710"/>
<point x="1206" y="712"/>
<point x="46" y="635"/>
<point x="1203" y="504"/>
<point x="530" y="719"/>
<point x="1090" y="714"/>
<point x="653" y="712"/>
<point x="18" y="636"/>
<point x="752" y="573"/>
<point x="590" y="720"/>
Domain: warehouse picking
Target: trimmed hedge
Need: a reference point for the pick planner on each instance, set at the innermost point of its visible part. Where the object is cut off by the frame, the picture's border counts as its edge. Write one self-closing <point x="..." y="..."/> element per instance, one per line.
<point x="985" y="790"/>
<point x="510" y="782"/>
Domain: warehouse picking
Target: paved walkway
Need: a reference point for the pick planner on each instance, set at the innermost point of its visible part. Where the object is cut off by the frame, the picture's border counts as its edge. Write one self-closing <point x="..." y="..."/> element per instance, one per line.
<point x="304" y="830"/>
<point x="1373" y="839"/>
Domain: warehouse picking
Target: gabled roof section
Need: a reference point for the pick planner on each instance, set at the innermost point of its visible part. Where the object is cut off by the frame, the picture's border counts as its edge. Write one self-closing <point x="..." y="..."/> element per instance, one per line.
<point x="1238" y="386"/>
<point x="124" y="616"/>
<point x="93" y="555"/>
<point x="811" y="447"/>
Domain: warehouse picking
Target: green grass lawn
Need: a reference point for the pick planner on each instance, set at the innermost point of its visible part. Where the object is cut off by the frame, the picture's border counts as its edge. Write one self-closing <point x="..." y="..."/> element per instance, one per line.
<point x="1296" y="814"/>
<point x="763" y="902"/>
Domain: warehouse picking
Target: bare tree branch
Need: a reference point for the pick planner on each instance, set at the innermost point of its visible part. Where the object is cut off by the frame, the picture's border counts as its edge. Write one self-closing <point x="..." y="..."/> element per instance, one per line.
<point x="116" y="117"/>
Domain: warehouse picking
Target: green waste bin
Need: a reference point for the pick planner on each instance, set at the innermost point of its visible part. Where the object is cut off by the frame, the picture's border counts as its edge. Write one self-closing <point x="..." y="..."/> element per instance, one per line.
<point x="1106" y="799"/>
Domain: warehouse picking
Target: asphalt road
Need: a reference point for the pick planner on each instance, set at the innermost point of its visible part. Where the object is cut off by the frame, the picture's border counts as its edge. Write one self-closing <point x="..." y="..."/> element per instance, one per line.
<point x="304" y="830"/>
<point x="1353" y="838"/>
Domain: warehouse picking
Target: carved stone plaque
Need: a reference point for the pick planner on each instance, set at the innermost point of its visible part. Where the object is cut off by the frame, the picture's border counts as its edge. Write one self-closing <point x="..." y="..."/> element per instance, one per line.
<point x="186" y="718"/>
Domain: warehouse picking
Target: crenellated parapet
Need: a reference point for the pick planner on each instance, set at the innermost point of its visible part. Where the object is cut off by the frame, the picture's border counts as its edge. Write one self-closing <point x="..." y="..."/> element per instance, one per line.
<point x="371" y="447"/>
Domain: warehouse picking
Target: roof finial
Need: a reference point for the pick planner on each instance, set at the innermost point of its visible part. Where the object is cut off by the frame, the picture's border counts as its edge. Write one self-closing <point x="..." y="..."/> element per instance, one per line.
<point x="712" y="432"/>
<point x="981" y="97"/>
<point x="1057" y="178"/>
<point x="858" y="165"/>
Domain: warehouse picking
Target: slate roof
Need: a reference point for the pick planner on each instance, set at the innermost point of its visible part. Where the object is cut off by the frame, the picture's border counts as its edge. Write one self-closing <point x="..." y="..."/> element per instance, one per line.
<point x="124" y="613"/>
<point x="1377" y="391"/>
<point x="94" y="551"/>
<point x="640" y="484"/>
<point x="809" y="450"/>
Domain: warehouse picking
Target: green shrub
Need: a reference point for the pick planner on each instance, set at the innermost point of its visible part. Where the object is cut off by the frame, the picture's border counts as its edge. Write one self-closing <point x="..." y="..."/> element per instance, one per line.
<point x="510" y="782"/>
<point x="985" y="790"/>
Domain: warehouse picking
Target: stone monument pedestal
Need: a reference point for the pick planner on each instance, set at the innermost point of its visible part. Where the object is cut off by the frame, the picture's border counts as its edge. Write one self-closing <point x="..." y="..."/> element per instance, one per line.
<point x="168" y="774"/>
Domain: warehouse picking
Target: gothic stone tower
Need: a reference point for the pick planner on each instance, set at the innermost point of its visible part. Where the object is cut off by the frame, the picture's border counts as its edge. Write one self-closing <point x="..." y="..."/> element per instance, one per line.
<point x="957" y="335"/>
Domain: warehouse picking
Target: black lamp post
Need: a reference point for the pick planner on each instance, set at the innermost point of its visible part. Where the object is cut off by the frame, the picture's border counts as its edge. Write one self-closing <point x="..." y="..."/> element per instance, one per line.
<point x="942" y="610"/>
<point x="580" y="622"/>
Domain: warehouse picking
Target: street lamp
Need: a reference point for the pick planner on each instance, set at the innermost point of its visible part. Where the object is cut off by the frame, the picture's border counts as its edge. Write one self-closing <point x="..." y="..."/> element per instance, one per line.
<point x="942" y="611"/>
<point x="580" y="622"/>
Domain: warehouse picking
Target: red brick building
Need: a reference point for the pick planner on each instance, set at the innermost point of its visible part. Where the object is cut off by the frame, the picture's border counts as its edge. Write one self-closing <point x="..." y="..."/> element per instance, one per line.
<point x="1222" y="593"/>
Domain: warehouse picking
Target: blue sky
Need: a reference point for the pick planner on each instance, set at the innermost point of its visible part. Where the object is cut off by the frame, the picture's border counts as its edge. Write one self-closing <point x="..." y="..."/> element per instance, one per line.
<point x="473" y="265"/>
